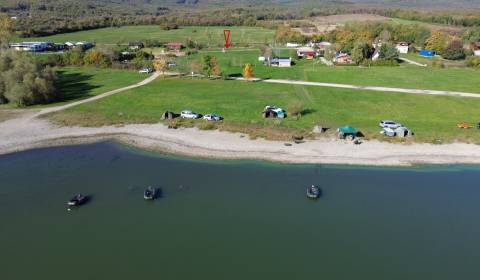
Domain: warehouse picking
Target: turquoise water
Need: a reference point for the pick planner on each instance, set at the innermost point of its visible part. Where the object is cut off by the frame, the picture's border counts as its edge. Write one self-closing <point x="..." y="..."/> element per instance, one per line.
<point x="232" y="220"/>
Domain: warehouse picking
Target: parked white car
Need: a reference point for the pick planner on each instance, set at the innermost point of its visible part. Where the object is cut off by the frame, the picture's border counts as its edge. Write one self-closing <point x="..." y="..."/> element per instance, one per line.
<point x="389" y="124"/>
<point x="146" y="71"/>
<point x="189" y="115"/>
<point x="212" y="117"/>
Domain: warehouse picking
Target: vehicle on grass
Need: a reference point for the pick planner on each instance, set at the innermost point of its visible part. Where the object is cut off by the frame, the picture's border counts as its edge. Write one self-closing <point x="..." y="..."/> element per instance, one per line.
<point x="146" y="71"/>
<point x="313" y="192"/>
<point x="274" y="111"/>
<point x="212" y="117"/>
<point x="186" y="114"/>
<point x="389" y="124"/>
<point x="150" y="193"/>
<point x="77" y="200"/>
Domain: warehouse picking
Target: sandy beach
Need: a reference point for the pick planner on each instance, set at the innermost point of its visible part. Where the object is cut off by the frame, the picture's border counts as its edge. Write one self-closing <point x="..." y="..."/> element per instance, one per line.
<point x="28" y="132"/>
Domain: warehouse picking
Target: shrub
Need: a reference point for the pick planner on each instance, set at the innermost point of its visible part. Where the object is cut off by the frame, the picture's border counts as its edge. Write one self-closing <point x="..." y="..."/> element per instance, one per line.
<point x="454" y="51"/>
<point x="473" y="61"/>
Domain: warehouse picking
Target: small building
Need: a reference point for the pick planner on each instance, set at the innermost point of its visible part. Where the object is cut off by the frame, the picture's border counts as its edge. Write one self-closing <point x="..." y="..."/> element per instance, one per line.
<point x="306" y="52"/>
<point x="281" y="62"/>
<point x="135" y="45"/>
<point x="376" y="54"/>
<point x="402" y="47"/>
<point x="70" y="45"/>
<point x="343" y="58"/>
<point x="261" y="58"/>
<point x="426" y="53"/>
<point x="320" y="45"/>
<point x="174" y="46"/>
<point x="84" y="45"/>
<point x="30" y="46"/>
<point x="293" y="45"/>
<point x="476" y="48"/>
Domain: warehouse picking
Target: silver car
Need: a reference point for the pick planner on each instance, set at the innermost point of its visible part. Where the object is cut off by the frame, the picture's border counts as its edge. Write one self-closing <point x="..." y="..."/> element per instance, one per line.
<point x="189" y="115"/>
<point x="389" y="124"/>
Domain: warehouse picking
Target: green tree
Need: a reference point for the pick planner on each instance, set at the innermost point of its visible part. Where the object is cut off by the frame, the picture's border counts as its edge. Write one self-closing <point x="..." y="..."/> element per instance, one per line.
<point x="361" y="51"/>
<point x="24" y="81"/>
<point x="454" y="51"/>
<point x="388" y="52"/>
<point x="6" y="28"/>
<point x="437" y="42"/>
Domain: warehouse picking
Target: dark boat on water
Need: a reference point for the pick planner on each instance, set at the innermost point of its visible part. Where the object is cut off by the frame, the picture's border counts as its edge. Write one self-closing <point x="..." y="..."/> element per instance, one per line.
<point x="77" y="200"/>
<point x="150" y="193"/>
<point x="313" y="192"/>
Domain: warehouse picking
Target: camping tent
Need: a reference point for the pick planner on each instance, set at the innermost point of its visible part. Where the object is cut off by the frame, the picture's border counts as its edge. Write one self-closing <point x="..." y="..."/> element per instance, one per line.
<point x="347" y="130"/>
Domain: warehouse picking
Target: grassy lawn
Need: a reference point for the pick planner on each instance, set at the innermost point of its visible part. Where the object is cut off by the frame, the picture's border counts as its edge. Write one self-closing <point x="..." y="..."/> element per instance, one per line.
<point x="241" y="103"/>
<point x="207" y="35"/>
<point x="406" y="76"/>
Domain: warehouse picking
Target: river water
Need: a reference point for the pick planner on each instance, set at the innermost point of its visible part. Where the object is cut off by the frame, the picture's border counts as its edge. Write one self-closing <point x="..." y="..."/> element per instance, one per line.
<point x="232" y="219"/>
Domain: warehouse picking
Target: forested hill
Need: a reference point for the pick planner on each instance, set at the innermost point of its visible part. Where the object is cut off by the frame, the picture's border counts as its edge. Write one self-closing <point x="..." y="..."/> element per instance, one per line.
<point x="146" y="5"/>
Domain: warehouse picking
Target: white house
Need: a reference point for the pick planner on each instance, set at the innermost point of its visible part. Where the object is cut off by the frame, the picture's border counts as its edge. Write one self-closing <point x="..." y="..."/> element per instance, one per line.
<point x="293" y="45"/>
<point x="476" y="49"/>
<point x="402" y="47"/>
<point x="281" y="62"/>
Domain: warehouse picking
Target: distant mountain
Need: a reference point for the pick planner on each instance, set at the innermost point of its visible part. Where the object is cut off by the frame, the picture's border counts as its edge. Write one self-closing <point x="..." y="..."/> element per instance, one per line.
<point x="146" y="4"/>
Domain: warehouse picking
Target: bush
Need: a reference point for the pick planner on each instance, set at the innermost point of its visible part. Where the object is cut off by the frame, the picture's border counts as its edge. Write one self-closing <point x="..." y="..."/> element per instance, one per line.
<point x="473" y="61"/>
<point x="454" y="51"/>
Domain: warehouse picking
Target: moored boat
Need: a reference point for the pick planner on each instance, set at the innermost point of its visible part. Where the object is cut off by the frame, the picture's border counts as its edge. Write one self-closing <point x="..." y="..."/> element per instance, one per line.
<point x="77" y="200"/>
<point x="313" y="192"/>
<point x="150" y="193"/>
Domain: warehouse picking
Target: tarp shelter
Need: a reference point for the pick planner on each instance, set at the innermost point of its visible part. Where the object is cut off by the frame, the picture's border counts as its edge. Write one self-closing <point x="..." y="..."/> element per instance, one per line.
<point x="167" y="115"/>
<point x="403" y="132"/>
<point x="347" y="131"/>
<point x="278" y="113"/>
<point x="426" y="53"/>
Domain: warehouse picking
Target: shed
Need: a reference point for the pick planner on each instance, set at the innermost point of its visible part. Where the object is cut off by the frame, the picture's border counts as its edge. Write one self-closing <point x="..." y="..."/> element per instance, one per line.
<point x="135" y="45"/>
<point x="426" y="53"/>
<point x="281" y="61"/>
<point x="306" y="52"/>
<point x="167" y="115"/>
<point x="476" y="48"/>
<point x="402" y="47"/>
<point x="174" y="46"/>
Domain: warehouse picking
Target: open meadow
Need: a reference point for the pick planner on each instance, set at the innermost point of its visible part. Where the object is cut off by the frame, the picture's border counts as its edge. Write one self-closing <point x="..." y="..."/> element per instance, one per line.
<point x="403" y="76"/>
<point x="208" y="35"/>
<point x="432" y="118"/>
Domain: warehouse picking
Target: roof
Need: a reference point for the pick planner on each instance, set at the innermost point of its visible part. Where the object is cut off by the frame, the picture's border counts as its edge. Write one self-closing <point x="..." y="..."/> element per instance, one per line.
<point x="306" y="49"/>
<point x="403" y="44"/>
<point x="174" y="45"/>
<point x="347" y="130"/>
<point x="281" y="59"/>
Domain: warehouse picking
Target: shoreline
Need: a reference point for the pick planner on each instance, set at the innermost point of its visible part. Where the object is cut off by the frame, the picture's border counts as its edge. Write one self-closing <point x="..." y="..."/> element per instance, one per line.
<point x="24" y="134"/>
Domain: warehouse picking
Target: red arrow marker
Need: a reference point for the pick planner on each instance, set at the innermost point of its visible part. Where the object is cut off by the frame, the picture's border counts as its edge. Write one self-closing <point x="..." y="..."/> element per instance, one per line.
<point x="226" y="36"/>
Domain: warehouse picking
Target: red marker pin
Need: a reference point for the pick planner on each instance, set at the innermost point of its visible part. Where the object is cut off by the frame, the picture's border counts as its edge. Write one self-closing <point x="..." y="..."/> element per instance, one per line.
<point x="226" y="36"/>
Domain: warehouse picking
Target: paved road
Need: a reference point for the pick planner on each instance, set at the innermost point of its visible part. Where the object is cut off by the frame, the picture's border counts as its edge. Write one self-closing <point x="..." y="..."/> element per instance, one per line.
<point x="412" y="62"/>
<point x="372" y="88"/>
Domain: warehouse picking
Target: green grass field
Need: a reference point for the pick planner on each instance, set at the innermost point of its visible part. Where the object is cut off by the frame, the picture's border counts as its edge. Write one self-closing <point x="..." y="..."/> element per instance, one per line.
<point x="406" y="76"/>
<point x="207" y="35"/>
<point x="241" y="103"/>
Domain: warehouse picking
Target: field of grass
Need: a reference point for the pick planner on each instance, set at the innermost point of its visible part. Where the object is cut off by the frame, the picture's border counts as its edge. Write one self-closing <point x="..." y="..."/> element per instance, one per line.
<point x="406" y="76"/>
<point x="241" y="103"/>
<point x="207" y="35"/>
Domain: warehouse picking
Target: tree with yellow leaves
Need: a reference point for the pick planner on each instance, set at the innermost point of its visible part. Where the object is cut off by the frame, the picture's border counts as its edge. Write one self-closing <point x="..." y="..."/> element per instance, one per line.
<point x="161" y="64"/>
<point x="437" y="42"/>
<point x="247" y="71"/>
<point x="6" y="27"/>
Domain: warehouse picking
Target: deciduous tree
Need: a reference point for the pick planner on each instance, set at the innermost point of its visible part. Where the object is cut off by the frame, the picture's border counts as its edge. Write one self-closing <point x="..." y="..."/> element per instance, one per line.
<point x="247" y="71"/>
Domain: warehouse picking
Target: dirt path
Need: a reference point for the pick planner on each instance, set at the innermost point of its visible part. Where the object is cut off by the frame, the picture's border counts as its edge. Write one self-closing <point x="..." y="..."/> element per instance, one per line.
<point x="372" y="88"/>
